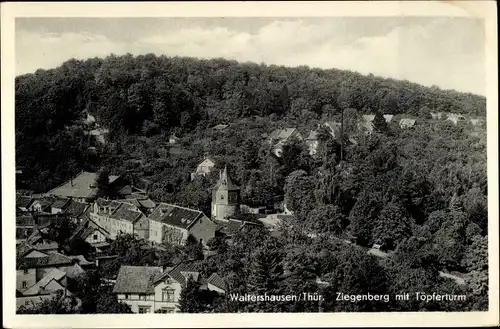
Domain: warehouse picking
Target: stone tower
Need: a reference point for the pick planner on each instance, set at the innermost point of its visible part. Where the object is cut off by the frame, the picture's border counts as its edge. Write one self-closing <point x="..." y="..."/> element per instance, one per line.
<point x="225" y="197"/>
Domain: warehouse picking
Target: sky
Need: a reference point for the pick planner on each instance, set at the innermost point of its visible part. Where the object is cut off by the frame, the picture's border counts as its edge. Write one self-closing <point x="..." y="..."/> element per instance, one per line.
<point x="444" y="51"/>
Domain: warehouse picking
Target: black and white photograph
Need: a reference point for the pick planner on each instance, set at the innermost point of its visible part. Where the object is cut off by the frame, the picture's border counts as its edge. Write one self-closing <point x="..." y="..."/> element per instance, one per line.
<point x="245" y="164"/>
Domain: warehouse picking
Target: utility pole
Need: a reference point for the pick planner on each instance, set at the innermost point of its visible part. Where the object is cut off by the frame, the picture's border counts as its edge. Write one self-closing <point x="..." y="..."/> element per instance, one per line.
<point x="342" y="135"/>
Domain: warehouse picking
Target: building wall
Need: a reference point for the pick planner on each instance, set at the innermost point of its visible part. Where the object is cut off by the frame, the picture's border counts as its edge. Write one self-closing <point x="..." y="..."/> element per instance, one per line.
<point x="203" y="230"/>
<point x="141" y="228"/>
<point x="214" y="288"/>
<point x="173" y="235"/>
<point x="30" y="278"/>
<point x="135" y="301"/>
<point x="168" y="283"/>
<point x="92" y="239"/>
<point x="155" y="231"/>
<point x="312" y="146"/>
<point x="30" y="301"/>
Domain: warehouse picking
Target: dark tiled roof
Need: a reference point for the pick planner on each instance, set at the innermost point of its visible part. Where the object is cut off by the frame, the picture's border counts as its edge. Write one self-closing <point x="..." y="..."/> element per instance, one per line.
<point x="60" y="203"/>
<point x="181" y="273"/>
<point x="52" y="259"/>
<point x="25" y="220"/>
<point x="126" y="212"/>
<point x="75" y="208"/>
<point x="282" y="134"/>
<point x="136" y="279"/>
<point x="217" y="281"/>
<point x="23" y="201"/>
<point x="175" y="215"/>
<point x="23" y="249"/>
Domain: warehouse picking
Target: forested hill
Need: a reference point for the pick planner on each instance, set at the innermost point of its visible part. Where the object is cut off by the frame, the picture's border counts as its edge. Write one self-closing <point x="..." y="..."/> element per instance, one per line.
<point x="150" y="95"/>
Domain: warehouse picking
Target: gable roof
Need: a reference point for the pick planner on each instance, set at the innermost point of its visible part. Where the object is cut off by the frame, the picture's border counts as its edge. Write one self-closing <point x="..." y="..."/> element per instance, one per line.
<point x="211" y="159"/>
<point x="181" y="273"/>
<point x="81" y="260"/>
<point x="60" y="203"/>
<point x="220" y="127"/>
<point x="55" y="274"/>
<point x="282" y="134"/>
<point x="388" y="117"/>
<point x="313" y="135"/>
<point x="126" y="212"/>
<point x="175" y="215"/>
<point x="75" y="208"/>
<point x="216" y="280"/>
<point x="83" y="186"/>
<point x="407" y="122"/>
<point x="23" y="201"/>
<point x="25" y="220"/>
<point x="334" y="127"/>
<point x="136" y="279"/>
<point x="52" y="259"/>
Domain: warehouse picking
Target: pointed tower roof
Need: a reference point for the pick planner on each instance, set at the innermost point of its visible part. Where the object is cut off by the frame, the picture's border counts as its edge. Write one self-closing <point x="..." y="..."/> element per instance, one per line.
<point x="225" y="182"/>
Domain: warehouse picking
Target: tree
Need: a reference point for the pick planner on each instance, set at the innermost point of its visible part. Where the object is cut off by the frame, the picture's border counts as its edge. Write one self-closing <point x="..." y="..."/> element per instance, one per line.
<point x="189" y="299"/>
<point x="392" y="225"/>
<point x="102" y="183"/>
<point x="58" y="304"/>
<point x="193" y="248"/>
<point x="379" y="123"/>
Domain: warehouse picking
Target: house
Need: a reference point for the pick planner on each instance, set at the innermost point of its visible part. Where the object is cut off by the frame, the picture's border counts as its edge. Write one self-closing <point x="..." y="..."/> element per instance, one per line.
<point x="388" y="118"/>
<point x="83" y="187"/>
<point x="142" y="202"/>
<point x="216" y="283"/>
<point x="280" y="137"/>
<point x="220" y="127"/>
<point x="173" y="139"/>
<point x="437" y="115"/>
<point x="23" y="202"/>
<point x="25" y="225"/>
<point x="75" y="210"/>
<point x="474" y="122"/>
<point x="153" y="289"/>
<point x="231" y="226"/>
<point x="455" y="118"/>
<point x="99" y="133"/>
<point x="58" y="205"/>
<point x="204" y="168"/>
<point x="33" y="265"/>
<point x="42" y="205"/>
<point x="91" y="232"/>
<point x="366" y="123"/>
<point x="119" y="217"/>
<point x="406" y="123"/>
<point x="172" y="224"/>
<point x="312" y="142"/>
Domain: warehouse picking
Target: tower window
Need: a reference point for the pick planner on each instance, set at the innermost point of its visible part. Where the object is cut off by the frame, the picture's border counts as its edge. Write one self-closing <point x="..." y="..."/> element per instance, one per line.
<point x="222" y="197"/>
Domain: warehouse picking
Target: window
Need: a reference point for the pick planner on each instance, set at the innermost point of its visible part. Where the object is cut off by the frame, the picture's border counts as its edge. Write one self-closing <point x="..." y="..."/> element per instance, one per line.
<point x="25" y="284"/>
<point x="168" y="295"/>
<point x="142" y="297"/>
<point x="26" y="271"/>
<point x="126" y="296"/>
<point x="222" y="197"/>
<point x="144" y="309"/>
<point x="95" y="236"/>
<point x="167" y="310"/>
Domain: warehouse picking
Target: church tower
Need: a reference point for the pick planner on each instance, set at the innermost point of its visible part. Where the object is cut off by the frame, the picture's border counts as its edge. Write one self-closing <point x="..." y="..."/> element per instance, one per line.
<point x="225" y="197"/>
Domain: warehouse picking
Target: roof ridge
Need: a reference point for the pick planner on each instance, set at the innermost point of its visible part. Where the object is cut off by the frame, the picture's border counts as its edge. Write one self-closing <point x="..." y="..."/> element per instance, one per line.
<point x="173" y="205"/>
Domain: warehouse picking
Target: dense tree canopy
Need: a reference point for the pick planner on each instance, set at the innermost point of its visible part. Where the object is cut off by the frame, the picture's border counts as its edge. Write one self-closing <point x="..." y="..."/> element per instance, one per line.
<point x="421" y="192"/>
